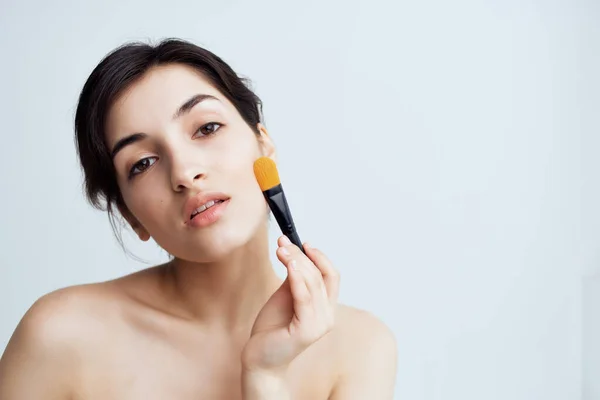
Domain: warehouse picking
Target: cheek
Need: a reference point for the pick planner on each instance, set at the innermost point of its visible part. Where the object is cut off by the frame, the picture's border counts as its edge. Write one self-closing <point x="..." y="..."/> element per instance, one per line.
<point x="239" y="165"/>
<point x="146" y="201"/>
<point x="239" y="158"/>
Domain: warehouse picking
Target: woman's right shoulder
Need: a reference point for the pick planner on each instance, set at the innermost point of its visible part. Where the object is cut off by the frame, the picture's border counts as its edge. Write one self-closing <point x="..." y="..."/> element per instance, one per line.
<point x="62" y="316"/>
<point x="50" y="339"/>
<point x="68" y="315"/>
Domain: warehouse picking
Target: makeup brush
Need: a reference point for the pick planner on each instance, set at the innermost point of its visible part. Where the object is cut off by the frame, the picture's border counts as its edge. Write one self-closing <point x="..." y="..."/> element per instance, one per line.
<point x="267" y="177"/>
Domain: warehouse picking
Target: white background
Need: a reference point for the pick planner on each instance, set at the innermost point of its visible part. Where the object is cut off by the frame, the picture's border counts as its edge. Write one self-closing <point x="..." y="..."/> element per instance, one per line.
<point x="444" y="154"/>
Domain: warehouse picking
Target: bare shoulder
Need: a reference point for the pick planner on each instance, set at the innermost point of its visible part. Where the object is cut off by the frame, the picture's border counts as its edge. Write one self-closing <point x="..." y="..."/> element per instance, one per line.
<point x="59" y="319"/>
<point x="357" y="324"/>
<point x="367" y="353"/>
<point x="43" y="352"/>
<point x="69" y="316"/>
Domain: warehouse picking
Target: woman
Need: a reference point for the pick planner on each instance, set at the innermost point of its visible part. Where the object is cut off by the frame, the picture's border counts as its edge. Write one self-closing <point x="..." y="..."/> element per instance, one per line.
<point x="168" y="135"/>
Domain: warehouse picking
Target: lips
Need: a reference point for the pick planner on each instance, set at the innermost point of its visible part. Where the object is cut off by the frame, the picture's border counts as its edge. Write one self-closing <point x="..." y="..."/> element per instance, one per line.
<point x="197" y="203"/>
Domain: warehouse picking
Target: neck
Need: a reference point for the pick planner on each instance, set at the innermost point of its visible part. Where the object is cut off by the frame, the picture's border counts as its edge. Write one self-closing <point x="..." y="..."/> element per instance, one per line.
<point x="228" y="293"/>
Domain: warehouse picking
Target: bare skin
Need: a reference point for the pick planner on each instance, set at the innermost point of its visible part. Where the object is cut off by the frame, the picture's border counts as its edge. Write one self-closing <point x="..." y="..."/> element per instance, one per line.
<point x="216" y="322"/>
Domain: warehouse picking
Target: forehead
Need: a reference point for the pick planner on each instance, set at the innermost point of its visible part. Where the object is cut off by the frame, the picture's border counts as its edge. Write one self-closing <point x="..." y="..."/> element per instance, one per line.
<point x="152" y="100"/>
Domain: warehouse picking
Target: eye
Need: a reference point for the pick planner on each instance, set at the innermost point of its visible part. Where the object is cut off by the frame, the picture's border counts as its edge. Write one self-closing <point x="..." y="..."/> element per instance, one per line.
<point x="208" y="129"/>
<point x="141" y="166"/>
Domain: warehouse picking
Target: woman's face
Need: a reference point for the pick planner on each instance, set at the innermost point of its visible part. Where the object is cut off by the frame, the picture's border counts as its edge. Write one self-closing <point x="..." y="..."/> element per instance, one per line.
<point x="184" y="149"/>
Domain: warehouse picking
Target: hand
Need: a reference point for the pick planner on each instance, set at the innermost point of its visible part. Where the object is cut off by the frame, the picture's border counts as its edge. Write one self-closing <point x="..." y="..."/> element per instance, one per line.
<point x="298" y="314"/>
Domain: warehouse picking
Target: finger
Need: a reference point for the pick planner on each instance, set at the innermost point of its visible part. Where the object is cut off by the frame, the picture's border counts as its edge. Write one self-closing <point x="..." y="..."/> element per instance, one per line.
<point x="313" y="277"/>
<point x="331" y="276"/>
<point x="313" y="312"/>
<point x="283" y="241"/>
<point x="318" y="322"/>
<point x="301" y="295"/>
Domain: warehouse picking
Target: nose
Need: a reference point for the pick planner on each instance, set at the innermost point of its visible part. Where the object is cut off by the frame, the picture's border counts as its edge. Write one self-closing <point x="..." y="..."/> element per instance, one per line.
<point x="185" y="173"/>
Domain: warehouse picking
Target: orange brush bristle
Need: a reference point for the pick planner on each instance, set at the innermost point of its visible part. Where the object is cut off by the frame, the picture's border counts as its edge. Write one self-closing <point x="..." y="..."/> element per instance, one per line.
<point x="266" y="173"/>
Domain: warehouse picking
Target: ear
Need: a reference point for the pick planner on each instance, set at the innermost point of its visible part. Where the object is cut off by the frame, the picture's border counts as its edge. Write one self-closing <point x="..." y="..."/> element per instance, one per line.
<point x="134" y="223"/>
<point x="141" y="232"/>
<point x="267" y="147"/>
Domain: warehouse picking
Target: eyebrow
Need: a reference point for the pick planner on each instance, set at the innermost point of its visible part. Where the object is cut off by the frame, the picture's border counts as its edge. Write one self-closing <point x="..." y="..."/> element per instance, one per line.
<point x="185" y="108"/>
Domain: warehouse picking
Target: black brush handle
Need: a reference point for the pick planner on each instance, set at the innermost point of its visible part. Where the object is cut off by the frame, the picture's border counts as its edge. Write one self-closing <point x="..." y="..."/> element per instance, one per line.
<point x="279" y="206"/>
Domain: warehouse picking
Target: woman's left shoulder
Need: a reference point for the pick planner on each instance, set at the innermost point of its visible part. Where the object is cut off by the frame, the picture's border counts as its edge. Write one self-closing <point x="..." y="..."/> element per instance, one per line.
<point x="366" y="355"/>
<point x="356" y="321"/>
<point x="361" y="336"/>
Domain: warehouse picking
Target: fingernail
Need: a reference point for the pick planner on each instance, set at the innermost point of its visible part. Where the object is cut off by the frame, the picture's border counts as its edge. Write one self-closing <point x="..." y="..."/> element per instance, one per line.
<point x="293" y="265"/>
<point x="286" y="240"/>
<point x="307" y="245"/>
<point x="285" y="251"/>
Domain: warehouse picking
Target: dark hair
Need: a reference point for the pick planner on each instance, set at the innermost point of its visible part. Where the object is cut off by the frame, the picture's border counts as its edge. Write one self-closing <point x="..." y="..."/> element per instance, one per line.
<point x="114" y="74"/>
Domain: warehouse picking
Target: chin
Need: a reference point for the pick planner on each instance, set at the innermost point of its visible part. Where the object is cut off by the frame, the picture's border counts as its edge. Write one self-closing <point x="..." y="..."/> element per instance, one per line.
<point x="220" y="240"/>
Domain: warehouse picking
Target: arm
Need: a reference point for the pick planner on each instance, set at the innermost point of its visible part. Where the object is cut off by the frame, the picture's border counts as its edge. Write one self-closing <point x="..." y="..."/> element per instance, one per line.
<point x="370" y="362"/>
<point x="298" y="314"/>
<point x="264" y="386"/>
<point x="36" y="362"/>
